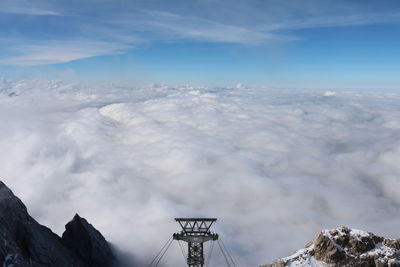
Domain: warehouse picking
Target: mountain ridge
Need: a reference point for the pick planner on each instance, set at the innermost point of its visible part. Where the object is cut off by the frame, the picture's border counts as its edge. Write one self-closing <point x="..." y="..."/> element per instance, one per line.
<point x="26" y="243"/>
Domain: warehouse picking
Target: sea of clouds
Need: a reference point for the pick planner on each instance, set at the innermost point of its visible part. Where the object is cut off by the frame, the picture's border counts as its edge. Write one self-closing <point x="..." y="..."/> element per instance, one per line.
<point x="275" y="166"/>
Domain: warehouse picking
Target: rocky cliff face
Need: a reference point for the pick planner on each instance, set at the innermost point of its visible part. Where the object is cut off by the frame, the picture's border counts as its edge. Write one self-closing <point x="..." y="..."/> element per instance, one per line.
<point x="26" y="243"/>
<point x="345" y="247"/>
<point x="87" y="243"/>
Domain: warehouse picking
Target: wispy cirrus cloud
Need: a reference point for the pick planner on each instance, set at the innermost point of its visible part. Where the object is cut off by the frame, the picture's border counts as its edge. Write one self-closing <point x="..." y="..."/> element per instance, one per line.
<point x="60" y="52"/>
<point x="30" y="11"/>
<point x="166" y="26"/>
<point x="32" y="8"/>
<point x="334" y="21"/>
<point x="171" y="26"/>
<point x="114" y="24"/>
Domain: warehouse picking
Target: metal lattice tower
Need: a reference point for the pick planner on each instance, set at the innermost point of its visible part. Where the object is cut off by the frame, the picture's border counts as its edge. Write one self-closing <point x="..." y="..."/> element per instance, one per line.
<point x="195" y="231"/>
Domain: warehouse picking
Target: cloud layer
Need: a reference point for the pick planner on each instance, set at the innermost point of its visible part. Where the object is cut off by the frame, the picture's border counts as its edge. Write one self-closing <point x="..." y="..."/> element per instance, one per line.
<point x="274" y="166"/>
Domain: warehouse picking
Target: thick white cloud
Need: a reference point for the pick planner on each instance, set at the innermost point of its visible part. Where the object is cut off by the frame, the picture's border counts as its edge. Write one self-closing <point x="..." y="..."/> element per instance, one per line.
<point x="274" y="166"/>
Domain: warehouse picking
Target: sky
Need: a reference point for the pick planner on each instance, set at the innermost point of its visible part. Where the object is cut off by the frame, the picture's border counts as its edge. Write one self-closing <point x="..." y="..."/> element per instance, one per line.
<point x="281" y="118"/>
<point x="285" y="44"/>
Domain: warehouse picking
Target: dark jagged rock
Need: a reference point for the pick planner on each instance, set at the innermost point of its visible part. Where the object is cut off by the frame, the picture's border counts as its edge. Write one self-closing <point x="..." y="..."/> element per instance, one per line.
<point x="26" y="243"/>
<point x="88" y="243"/>
<point x="345" y="247"/>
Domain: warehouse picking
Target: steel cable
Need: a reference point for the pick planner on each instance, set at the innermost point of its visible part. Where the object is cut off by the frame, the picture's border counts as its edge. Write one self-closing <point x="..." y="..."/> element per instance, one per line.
<point x="183" y="251"/>
<point x="227" y="251"/>
<point x="158" y="254"/>
<point x="164" y="252"/>
<point x="223" y="253"/>
<point x="209" y="254"/>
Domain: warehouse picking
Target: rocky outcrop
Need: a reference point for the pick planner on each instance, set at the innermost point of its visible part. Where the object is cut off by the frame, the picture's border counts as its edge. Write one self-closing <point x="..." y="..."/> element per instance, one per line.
<point x="345" y="247"/>
<point x="26" y="243"/>
<point x="88" y="243"/>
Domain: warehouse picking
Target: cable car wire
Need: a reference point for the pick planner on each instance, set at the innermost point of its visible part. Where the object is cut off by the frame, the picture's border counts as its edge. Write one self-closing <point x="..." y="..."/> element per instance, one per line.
<point x="227" y="252"/>
<point x="223" y="253"/>
<point x="209" y="254"/>
<point x="164" y="253"/>
<point x="183" y="251"/>
<point x="158" y="254"/>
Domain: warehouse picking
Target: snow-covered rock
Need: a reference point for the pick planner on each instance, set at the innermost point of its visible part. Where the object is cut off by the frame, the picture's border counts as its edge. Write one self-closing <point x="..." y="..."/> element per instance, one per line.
<point x="345" y="247"/>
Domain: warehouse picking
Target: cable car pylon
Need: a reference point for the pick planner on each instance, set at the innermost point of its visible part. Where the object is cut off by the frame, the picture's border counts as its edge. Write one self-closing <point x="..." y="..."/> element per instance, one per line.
<point x="195" y="231"/>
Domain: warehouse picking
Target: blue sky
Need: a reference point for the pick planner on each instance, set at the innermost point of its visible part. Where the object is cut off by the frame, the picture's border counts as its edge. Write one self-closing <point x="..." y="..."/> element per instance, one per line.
<point x="307" y="44"/>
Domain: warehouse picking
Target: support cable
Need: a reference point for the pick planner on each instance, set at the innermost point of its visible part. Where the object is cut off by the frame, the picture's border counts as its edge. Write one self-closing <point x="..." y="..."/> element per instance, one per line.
<point x="209" y="254"/>
<point x="223" y="253"/>
<point x="227" y="252"/>
<point x="161" y="250"/>
<point x="183" y="251"/>
<point x="164" y="253"/>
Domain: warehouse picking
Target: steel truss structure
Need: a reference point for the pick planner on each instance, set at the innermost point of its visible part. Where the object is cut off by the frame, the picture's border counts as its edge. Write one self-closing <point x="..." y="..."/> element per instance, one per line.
<point x="195" y="231"/>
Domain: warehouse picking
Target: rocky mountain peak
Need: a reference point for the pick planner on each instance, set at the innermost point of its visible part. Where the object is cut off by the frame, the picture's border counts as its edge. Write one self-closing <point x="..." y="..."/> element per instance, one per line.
<point x="343" y="246"/>
<point x="26" y="243"/>
<point x="8" y="201"/>
<point x="87" y="242"/>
